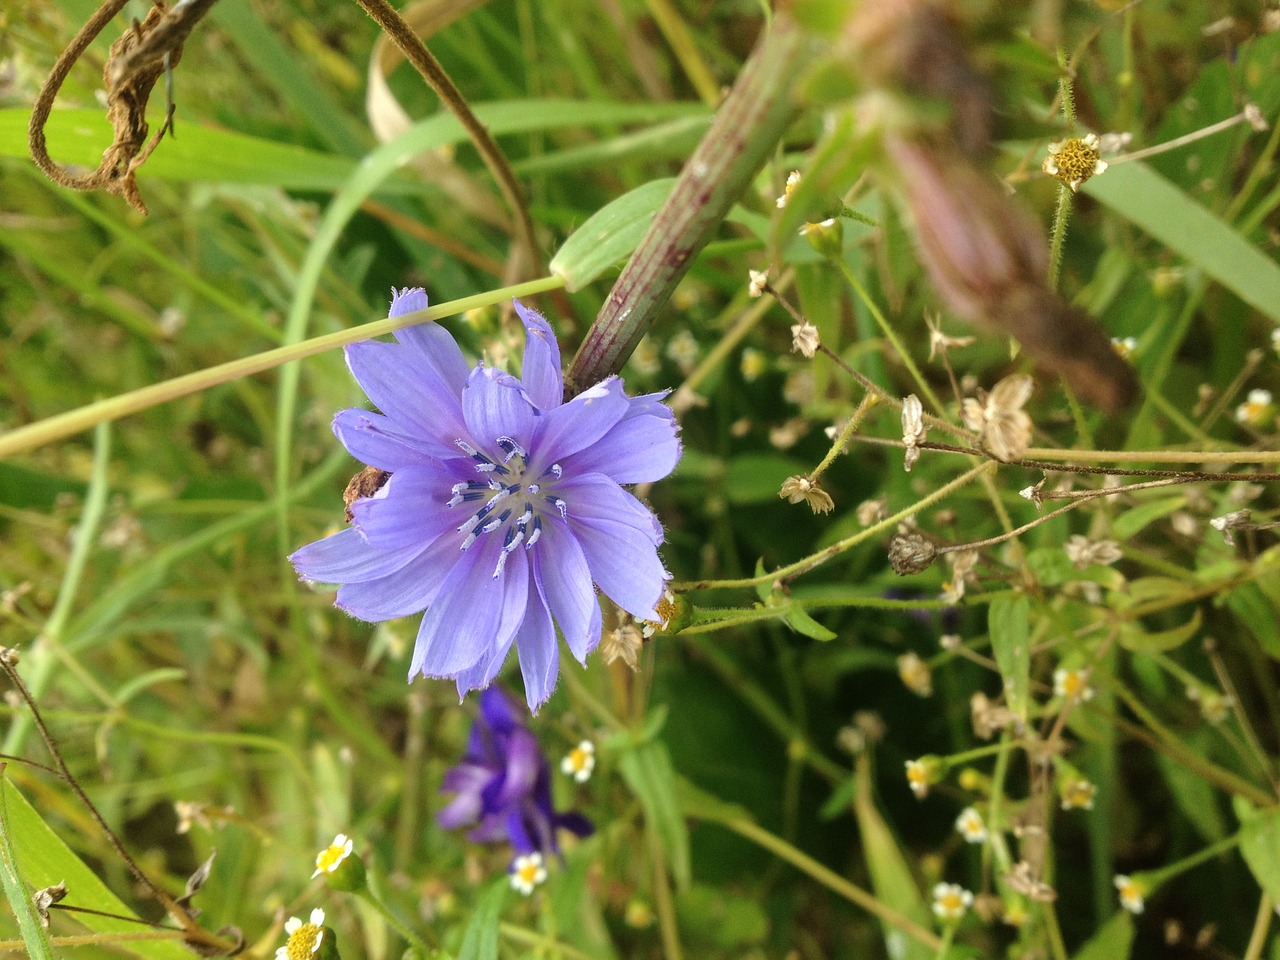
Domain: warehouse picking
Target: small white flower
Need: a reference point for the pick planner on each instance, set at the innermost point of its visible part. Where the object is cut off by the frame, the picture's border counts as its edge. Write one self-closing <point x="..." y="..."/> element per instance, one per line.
<point x="1255" y="408"/>
<point x="913" y="430"/>
<point x="1253" y="116"/>
<point x="1078" y="795"/>
<point x="304" y="938"/>
<point x="1124" y="346"/>
<point x="998" y="418"/>
<point x="1131" y="893"/>
<point x="528" y="872"/>
<point x="915" y="674"/>
<point x="1072" y="684"/>
<point x="759" y="279"/>
<point x="331" y="857"/>
<point x="950" y="901"/>
<point x="970" y="825"/>
<point x="1275" y="340"/>
<point x="793" y="181"/>
<point x="805" y="339"/>
<point x="1229" y="522"/>
<point x="919" y="778"/>
<point x="580" y="761"/>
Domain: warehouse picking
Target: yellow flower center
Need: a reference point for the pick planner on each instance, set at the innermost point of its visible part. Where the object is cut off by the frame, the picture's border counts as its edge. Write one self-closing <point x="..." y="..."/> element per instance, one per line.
<point x="528" y="874"/>
<point x="1074" y="161"/>
<point x="951" y="904"/>
<point x="303" y="942"/>
<point x="329" y="858"/>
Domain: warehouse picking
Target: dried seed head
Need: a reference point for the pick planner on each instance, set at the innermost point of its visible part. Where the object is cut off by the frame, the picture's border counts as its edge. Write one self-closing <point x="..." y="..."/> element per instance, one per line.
<point x="1003" y="428"/>
<point x="1084" y="552"/>
<point x="797" y="489"/>
<point x="805" y="339"/>
<point x="758" y="280"/>
<point x="910" y="553"/>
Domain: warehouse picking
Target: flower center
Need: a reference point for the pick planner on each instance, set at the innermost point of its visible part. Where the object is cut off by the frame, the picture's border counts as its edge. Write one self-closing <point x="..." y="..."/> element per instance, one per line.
<point x="304" y="942"/>
<point x="515" y="501"/>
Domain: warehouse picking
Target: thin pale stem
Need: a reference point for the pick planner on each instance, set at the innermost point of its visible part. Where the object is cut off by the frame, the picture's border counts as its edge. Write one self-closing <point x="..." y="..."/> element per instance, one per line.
<point x="1061" y="214"/>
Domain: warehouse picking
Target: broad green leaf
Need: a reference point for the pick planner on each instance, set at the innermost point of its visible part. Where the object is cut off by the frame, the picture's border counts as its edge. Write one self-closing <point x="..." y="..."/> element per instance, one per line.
<point x="1151" y="202"/>
<point x="19" y="893"/>
<point x="891" y="876"/>
<point x="1258" y="614"/>
<point x="480" y="941"/>
<point x="721" y="919"/>
<point x="648" y="772"/>
<point x="46" y="860"/>
<point x="1009" y="621"/>
<point x="609" y="235"/>
<point x="1113" y="941"/>
<point x="1132" y="521"/>
<point x="1260" y="844"/>
<point x="1133" y="637"/>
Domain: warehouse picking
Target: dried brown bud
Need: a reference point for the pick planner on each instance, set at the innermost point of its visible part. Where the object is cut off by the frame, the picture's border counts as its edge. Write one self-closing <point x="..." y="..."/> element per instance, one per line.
<point x="910" y="553"/>
<point x="364" y="484"/>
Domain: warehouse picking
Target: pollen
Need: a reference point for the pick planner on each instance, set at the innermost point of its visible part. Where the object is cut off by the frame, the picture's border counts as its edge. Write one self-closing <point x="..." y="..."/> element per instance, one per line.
<point x="1074" y="161"/>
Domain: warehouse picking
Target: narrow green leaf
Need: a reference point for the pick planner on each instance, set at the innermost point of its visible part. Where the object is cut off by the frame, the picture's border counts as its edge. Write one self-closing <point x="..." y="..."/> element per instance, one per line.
<point x="1009" y="620"/>
<point x="648" y="772"/>
<point x="19" y="894"/>
<point x="1133" y="637"/>
<point x="1252" y="607"/>
<point x="1113" y="940"/>
<point x="1151" y="202"/>
<point x="609" y="235"/>
<point x="1260" y="844"/>
<point x="1132" y="521"/>
<point x="480" y="941"/>
<point x="46" y="860"/>
<point x="805" y="625"/>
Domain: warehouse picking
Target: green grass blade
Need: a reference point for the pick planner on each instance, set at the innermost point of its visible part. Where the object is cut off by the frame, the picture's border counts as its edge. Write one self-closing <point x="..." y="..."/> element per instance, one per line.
<point x="1151" y="202"/>
<point x="17" y="892"/>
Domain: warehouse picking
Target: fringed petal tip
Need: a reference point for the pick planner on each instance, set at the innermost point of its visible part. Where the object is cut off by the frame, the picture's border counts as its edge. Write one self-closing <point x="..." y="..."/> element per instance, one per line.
<point x="406" y="301"/>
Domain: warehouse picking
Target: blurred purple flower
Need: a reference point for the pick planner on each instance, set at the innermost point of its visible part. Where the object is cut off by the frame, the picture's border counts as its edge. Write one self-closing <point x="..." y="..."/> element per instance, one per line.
<point x="503" y="507"/>
<point x="503" y="784"/>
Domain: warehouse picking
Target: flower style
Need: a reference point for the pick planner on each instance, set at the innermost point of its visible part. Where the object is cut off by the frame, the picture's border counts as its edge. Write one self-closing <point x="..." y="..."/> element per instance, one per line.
<point x="579" y="762"/>
<point x="970" y="825"/>
<point x="503" y="506"/>
<point x="528" y="872"/>
<point x="503" y="784"/>
<point x="950" y="901"/>
<point x="304" y="938"/>
<point x="330" y="858"/>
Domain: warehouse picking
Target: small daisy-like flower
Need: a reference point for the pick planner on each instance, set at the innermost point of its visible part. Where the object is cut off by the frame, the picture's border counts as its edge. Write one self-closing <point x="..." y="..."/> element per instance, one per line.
<point x="1124" y="346"/>
<point x="913" y="430"/>
<point x="1072" y="684"/>
<point x="1131" y="893"/>
<point x="504" y="509"/>
<point x="805" y="339"/>
<point x="580" y="761"/>
<point x="970" y="825"/>
<point x="922" y="774"/>
<point x="1275" y="340"/>
<point x="798" y="489"/>
<point x="793" y="181"/>
<point x="1229" y="522"/>
<point x="528" y="872"/>
<point x="939" y="342"/>
<point x="752" y="364"/>
<point x="1077" y="794"/>
<point x="1003" y="428"/>
<point x="622" y="644"/>
<point x="1255" y="408"/>
<point x="1074" y="161"/>
<point x="915" y="674"/>
<point x="759" y="279"/>
<point x="825" y="236"/>
<point x="950" y="901"/>
<point x="304" y="938"/>
<point x="330" y="858"/>
<point x="1085" y="552"/>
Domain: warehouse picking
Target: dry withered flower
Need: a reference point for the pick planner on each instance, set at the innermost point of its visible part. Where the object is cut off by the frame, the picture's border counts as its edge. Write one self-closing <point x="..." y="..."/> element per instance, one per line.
<point x="910" y="553"/>
<point x="1003" y="428"/>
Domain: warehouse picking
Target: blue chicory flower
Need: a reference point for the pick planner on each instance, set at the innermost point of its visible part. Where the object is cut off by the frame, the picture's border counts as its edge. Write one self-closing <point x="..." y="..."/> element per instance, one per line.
<point x="503" y="507"/>
<point x="503" y="784"/>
